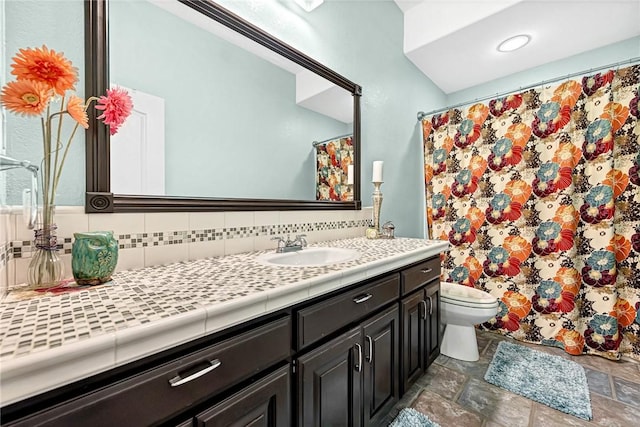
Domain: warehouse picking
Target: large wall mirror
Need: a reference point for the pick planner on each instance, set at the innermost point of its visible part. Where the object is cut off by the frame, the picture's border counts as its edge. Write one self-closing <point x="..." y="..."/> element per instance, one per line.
<point x="225" y="115"/>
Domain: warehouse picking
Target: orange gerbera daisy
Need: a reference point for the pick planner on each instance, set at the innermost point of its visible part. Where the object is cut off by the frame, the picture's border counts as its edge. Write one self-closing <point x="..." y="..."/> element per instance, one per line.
<point x="25" y="97"/>
<point x="46" y="66"/>
<point x="75" y="108"/>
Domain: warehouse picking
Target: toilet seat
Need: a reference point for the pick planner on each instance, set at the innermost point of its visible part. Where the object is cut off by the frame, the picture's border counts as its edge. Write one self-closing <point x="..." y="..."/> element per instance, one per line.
<point x="489" y="304"/>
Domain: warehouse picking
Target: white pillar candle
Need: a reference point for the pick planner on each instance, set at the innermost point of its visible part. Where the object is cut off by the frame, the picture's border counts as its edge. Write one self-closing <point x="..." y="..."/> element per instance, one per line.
<point x="350" y="175"/>
<point x="377" y="171"/>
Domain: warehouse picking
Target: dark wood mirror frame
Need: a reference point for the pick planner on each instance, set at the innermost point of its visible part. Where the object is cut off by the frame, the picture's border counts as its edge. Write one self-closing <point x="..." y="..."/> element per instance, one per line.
<point x="99" y="198"/>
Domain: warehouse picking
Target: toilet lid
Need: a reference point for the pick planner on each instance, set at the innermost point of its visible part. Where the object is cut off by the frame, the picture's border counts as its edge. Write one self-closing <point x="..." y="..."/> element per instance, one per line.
<point x="483" y="305"/>
<point x="459" y="294"/>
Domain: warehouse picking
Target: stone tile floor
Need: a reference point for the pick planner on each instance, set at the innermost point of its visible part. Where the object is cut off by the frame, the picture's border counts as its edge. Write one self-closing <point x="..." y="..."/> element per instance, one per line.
<point x="453" y="393"/>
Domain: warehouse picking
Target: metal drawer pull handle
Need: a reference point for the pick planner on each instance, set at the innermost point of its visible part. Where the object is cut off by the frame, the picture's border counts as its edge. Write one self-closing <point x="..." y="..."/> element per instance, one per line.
<point x="359" y="365"/>
<point x="178" y="380"/>
<point x="362" y="298"/>
<point x="430" y="305"/>
<point x="370" y="357"/>
<point x="426" y="270"/>
<point x="424" y="309"/>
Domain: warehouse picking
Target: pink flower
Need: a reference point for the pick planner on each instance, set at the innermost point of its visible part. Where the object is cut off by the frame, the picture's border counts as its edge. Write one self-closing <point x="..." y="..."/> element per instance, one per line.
<point x="116" y="107"/>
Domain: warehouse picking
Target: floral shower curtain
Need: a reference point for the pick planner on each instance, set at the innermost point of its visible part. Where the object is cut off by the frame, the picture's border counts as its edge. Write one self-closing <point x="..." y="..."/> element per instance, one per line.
<point x="539" y="195"/>
<point x="332" y="161"/>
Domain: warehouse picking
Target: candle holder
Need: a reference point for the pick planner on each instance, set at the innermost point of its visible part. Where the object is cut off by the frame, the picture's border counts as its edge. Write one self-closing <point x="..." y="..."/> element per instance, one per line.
<point x="374" y="232"/>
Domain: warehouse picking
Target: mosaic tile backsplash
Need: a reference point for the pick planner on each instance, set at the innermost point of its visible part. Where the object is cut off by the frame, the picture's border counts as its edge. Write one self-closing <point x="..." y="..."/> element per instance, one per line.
<point x="22" y="248"/>
<point x="232" y="232"/>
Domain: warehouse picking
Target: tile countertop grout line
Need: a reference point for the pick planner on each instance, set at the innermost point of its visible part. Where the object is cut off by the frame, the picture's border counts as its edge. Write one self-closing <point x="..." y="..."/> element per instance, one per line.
<point x="208" y="315"/>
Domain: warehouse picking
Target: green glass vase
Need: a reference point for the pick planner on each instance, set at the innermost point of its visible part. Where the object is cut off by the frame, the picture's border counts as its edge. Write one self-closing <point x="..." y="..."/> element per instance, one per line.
<point x="94" y="256"/>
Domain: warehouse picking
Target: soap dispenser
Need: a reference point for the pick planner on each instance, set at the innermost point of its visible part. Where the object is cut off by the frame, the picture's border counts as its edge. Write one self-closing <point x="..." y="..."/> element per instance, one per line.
<point x="388" y="230"/>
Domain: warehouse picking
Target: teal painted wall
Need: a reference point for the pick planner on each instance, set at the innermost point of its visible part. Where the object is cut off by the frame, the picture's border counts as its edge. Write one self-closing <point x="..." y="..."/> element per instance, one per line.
<point x="621" y="51"/>
<point x="59" y="25"/>
<point x="361" y="40"/>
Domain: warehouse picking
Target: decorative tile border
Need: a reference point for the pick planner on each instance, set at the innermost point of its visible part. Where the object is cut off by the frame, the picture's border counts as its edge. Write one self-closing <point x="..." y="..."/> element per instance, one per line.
<point x="23" y="249"/>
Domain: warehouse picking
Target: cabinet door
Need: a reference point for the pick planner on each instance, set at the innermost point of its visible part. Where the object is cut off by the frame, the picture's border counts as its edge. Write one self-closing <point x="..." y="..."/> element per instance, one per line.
<point x="262" y="404"/>
<point x="382" y="366"/>
<point x="413" y="336"/>
<point x="432" y="327"/>
<point x="329" y="383"/>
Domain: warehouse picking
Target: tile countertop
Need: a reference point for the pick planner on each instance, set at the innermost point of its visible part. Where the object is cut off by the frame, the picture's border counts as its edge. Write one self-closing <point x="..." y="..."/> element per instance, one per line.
<point x="52" y="340"/>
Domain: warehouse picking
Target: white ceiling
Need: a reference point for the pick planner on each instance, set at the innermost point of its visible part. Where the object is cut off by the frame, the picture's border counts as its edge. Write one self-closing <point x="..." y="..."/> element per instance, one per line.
<point x="453" y="42"/>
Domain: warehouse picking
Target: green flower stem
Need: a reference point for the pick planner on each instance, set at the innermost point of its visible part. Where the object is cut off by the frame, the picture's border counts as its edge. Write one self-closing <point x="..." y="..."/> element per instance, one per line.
<point x="58" y="146"/>
<point x="47" y="197"/>
<point x="64" y="157"/>
<point x="46" y="174"/>
<point x="58" y="171"/>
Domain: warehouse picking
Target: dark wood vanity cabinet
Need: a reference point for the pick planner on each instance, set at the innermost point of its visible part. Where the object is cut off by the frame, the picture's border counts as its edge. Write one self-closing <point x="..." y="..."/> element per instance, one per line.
<point x="353" y="380"/>
<point x="420" y="312"/>
<point x="342" y="359"/>
<point x="161" y="393"/>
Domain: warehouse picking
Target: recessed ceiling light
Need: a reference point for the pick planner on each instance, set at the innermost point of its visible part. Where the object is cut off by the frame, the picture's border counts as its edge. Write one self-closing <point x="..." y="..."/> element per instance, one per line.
<point x="514" y="43"/>
<point x="309" y="5"/>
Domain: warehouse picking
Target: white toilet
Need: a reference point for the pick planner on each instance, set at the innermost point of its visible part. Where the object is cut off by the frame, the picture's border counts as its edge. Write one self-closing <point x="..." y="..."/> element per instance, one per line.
<point x="462" y="307"/>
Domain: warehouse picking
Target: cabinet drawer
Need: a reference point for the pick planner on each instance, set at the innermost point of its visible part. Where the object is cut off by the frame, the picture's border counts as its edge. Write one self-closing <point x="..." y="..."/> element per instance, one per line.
<point x="421" y="274"/>
<point x="328" y="316"/>
<point x="162" y="392"/>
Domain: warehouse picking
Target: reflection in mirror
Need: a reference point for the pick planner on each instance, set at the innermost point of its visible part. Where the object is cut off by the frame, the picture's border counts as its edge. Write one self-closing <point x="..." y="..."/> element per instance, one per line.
<point x="215" y="120"/>
<point x="334" y="179"/>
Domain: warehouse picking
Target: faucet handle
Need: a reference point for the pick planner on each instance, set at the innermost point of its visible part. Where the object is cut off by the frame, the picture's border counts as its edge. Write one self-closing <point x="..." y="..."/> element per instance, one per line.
<point x="281" y="243"/>
<point x="301" y="238"/>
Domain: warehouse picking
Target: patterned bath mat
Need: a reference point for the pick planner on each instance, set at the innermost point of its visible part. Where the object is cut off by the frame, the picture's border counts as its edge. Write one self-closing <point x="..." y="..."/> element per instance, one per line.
<point x="409" y="417"/>
<point x="550" y="380"/>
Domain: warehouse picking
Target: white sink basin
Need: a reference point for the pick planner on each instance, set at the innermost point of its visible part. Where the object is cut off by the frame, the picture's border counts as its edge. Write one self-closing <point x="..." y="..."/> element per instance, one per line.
<point x="309" y="257"/>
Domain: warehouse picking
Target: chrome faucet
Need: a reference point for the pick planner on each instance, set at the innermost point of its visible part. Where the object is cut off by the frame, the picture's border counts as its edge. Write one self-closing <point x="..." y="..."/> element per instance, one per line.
<point x="7" y="163"/>
<point x="289" y="245"/>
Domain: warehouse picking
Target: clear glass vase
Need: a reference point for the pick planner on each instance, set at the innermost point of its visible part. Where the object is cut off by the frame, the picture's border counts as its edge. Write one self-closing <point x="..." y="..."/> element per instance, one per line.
<point x="46" y="268"/>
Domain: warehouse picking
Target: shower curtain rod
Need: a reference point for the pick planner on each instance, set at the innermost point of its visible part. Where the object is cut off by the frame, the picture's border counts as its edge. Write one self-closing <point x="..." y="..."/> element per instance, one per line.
<point x="316" y="143"/>
<point x="422" y="115"/>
